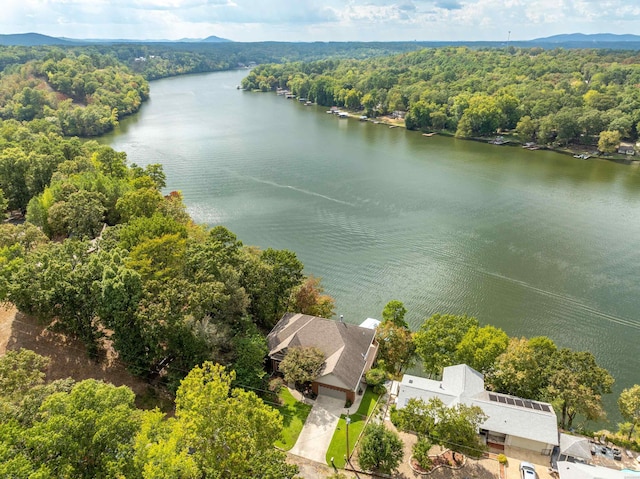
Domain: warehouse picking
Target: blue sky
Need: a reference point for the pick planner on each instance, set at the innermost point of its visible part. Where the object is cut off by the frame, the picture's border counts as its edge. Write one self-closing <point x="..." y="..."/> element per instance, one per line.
<point x="319" y="20"/>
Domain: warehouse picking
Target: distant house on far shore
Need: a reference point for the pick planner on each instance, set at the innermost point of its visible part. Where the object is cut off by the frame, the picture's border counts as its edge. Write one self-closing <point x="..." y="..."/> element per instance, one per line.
<point x="626" y="149"/>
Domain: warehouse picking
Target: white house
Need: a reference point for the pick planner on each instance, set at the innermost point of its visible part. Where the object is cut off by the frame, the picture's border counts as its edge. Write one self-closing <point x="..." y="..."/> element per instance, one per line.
<point x="512" y="421"/>
<point x="575" y="470"/>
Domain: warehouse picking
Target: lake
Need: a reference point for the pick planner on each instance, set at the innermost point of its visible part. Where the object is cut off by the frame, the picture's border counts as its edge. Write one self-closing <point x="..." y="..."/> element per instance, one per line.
<point x="534" y="242"/>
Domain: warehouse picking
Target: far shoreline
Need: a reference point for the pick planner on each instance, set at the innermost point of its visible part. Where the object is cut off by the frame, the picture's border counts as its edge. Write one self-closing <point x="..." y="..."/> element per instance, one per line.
<point x="510" y="140"/>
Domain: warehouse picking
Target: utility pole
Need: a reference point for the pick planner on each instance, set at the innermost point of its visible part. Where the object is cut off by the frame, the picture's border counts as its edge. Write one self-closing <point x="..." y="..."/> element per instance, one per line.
<point x="348" y="421"/>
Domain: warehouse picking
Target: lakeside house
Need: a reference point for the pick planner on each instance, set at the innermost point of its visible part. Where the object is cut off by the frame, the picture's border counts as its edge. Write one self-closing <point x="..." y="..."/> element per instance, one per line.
<point x="512" y="421"/>
<point x="577" y="470"/>
<point x="349" y="350"/>
<point x="626" y="149"/>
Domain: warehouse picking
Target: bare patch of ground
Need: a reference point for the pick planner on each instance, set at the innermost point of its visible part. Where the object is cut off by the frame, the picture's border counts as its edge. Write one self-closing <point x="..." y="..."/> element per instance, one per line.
<point x="68" y="356"/>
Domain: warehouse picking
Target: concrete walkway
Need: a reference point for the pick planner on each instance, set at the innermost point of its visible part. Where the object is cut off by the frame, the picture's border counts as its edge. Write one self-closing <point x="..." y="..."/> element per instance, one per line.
<point x="318" y="430"/>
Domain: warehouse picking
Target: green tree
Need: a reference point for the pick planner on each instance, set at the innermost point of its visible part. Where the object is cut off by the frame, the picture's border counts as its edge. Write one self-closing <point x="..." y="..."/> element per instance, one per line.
<point x="576" y="386"/>
<point x="482" y="117"/>
<point x="381" y="450"/>
<point x="629" y="406"/>
<point x="438" y="338"/>
<point x="250" y="350"/>
<point x="608" y="141"/>
<point x="81" y="215"/>
<point x="139" y="202"/>
<point x="301" y="365"/>
<point x="454" y="427"/>
<point x="25" y="235"/>
<point x="157" y="174"/>
<point x="480" y="347"/>
<point x="396" y="349"/>
<point x="567" y="125"/>
<point x="110" y="162"/>
<point x="230" y="431"/>
<point x="417" y="416"/>
<point x="14" y="166"/>
<point x="524" y="369"/>
<point x="4" y="203"/>
<point x="58" y="281"/>
<point x="269" y="277"/>
<point x="457" y="427"/>
<point x="161" y="450"/>
<point x="20" y="371"/>
<point x="158" y="258"/>
<point x="526" y="129"/>
<point x="394" y="311"/>
<point x="87" y="432"/>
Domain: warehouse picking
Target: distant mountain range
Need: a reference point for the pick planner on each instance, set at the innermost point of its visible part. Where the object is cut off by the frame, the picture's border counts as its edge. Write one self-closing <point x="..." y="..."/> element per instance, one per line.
<point x="34" y="39"/>
<point x="594" y="38"/>
<point x="571" y="40"/>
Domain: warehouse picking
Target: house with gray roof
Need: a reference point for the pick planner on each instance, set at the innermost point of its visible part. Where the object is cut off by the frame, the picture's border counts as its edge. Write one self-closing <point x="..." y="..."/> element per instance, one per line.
<point x="349" y="350"/>
<point x="511" y="421"/>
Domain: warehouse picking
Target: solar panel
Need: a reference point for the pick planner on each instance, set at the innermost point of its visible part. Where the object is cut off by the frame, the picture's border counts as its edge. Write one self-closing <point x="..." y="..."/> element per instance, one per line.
<point x="525" y="403"/>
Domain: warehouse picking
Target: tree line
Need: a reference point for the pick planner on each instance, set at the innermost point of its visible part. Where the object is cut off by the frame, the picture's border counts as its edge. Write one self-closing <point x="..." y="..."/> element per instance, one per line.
<point x="531" y="368"/>
<point x="71" y="93"/>
<point x="91" y="429"/>
<point x="552" y="97"/>
<point x="105" y="256"/>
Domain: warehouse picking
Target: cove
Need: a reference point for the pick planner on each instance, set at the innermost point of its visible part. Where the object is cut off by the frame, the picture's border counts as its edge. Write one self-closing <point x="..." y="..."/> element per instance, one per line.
<point x="533" y="242"/>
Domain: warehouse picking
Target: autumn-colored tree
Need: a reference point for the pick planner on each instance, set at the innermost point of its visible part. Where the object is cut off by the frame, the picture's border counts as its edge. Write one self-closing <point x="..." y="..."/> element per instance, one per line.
<point x="308" y="299"/>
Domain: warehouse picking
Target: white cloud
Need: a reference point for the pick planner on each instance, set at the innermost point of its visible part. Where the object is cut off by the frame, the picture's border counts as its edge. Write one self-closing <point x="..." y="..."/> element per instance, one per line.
<point x="308" y="20"/>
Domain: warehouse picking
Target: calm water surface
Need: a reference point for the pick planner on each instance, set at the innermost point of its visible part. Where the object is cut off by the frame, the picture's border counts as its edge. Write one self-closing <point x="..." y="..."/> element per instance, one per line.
<point x="533" y="242"/>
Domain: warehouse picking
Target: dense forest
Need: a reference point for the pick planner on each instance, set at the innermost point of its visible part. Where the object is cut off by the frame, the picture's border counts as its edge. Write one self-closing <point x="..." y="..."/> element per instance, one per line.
<point x="105" y="257"/>
<point x="70" y="93"/>
<point x="552" y="97"/>
<point x="117" y="243"/>
<point x="85" y="90"/>
<point x="159" y="60"/>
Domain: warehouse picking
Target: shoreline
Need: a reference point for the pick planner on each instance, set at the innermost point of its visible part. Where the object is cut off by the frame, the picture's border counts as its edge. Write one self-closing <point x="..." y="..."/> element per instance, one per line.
<point x="399" y="123"/>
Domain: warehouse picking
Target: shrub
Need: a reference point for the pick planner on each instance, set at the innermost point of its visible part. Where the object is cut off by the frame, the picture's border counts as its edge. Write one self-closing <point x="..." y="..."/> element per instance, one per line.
<point x="393" y="415"/>
<point x="502" y="459"/>
<point x="421" y="453"/>
<point x="379" y="389"/>
<point x="376" y="377"/>
<point x="275" y="384"/>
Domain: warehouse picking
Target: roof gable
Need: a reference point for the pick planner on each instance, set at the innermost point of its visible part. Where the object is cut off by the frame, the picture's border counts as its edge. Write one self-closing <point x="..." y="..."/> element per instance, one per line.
<point x="462" y="384"/>
<point x="344" y="345"/>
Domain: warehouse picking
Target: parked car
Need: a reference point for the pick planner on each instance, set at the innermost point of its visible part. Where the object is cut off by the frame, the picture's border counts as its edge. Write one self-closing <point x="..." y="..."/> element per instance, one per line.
<point x="528" y="471"/>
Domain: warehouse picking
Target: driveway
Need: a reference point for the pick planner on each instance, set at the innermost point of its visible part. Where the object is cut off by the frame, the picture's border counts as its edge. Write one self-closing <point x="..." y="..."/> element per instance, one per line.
<point x="315" y="437"/>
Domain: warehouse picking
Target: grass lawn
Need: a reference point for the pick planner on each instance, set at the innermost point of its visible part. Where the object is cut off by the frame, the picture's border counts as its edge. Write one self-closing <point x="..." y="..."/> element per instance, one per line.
<point x="338" y="447"/>
<point x="294" y="414"/>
